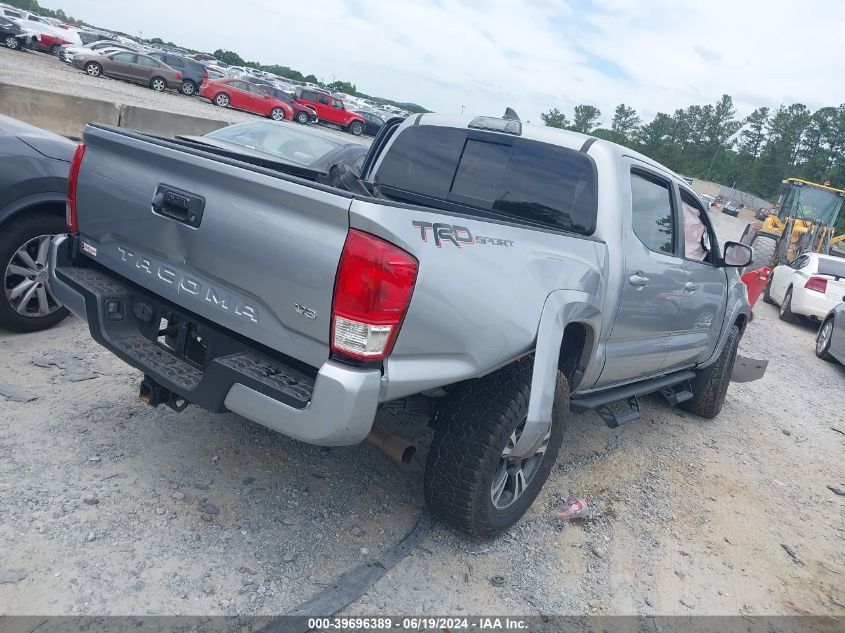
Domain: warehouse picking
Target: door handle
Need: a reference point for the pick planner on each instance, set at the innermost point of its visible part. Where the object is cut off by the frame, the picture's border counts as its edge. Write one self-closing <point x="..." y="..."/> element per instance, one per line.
<point x="690" y="286"/>
<point x="638" y="279"/>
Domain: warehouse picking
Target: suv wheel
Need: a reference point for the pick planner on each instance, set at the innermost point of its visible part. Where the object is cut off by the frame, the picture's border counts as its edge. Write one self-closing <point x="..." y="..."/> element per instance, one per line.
<point x="302" y="117"/>
<point x="711" y="383"/>
<point x="188" y="88"/>
<point x="356" y="128"/>
<point x="471" y="480"/>
<point x="26" y="304"/>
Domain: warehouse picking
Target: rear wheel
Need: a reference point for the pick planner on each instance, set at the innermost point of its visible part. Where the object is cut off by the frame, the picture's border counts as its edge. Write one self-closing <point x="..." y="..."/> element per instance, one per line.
<point x="26" y="303"/>
<point x="786" y="313"/>
<point x="188" y="88"/>
<point x="93" y="69"/>
<point x="823" y="339"/>
<point x="54" y="50"/>
<point x="711" y="383"/>
<point x="222" y="99"/>
<point x="12" y="42"/>
<point x="302" y="117"/>
<point x="159" y="84"/>
<point x="472" y="481"/>
<point x="764" y="245"/>
<point x="356" y="128"/>
<point x="277" y="114"/>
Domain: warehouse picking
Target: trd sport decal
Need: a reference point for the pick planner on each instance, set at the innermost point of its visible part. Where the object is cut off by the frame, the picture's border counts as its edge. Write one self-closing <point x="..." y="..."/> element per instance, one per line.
<point x="457" y="235"/>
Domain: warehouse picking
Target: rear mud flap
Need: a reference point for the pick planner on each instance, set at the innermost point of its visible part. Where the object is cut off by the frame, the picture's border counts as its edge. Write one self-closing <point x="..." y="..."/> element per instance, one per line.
<point x="748" y="369"/>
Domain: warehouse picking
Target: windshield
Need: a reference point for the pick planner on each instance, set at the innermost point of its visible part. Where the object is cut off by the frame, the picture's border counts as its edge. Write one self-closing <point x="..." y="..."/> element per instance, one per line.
<point x="279" y="141"/>
<point x="811" y="203"/>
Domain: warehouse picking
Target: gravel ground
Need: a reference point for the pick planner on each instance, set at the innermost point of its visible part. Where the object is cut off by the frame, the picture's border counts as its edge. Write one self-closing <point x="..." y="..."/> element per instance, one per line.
<point x="111" y="507"/>
<point x="45" y="72"/>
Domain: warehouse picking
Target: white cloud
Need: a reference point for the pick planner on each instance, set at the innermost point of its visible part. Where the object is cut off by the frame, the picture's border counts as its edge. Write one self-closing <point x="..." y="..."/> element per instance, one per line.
<point x="654" y="55"/>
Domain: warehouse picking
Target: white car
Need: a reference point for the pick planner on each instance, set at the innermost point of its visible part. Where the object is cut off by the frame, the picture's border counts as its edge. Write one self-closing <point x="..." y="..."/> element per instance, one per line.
<point x="67" y="51"/>
<point x="810" y="286"/>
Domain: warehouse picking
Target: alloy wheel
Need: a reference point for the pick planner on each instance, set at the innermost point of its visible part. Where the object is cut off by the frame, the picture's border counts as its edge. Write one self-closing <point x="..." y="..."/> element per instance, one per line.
<point x="824" y="336"/>
<point x="26" y="279"/>
<point x="159" y="85"/>
<point x="514" y="474"/>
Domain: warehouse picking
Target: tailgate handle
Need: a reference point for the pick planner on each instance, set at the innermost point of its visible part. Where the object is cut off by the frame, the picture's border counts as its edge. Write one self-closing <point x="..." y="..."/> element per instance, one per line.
<point x="179" y="205"/>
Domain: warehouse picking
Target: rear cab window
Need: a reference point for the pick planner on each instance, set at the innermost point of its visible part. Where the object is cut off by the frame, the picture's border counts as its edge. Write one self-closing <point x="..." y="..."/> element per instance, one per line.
<point x="489" y="175"/>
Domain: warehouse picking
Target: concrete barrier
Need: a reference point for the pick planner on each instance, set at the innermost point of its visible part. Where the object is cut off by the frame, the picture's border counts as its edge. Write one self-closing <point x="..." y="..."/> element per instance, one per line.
<point x="166" y="124"/>
<point x="59" y="113"/>
<point x="67" y="115"/>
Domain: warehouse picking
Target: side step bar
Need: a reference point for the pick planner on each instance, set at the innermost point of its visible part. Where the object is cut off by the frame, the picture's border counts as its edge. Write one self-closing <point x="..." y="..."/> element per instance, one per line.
<point x="620" y="404"/>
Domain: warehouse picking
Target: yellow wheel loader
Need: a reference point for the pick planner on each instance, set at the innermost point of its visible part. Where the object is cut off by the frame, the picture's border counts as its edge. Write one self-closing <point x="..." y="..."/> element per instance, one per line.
<point x="803" y="220"/>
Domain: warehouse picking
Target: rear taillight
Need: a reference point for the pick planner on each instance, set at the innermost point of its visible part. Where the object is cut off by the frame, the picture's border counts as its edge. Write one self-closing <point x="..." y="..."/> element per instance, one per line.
<point x="817" y="284"/>
<point x="375" y="281"/>
<point x="178" y="75"/>
<point x="73" y="175"/>
<point x="205" y="75"/>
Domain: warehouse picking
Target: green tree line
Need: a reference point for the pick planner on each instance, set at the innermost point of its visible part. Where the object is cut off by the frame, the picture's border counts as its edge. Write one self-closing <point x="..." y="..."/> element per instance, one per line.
<point x="753" y="154"/>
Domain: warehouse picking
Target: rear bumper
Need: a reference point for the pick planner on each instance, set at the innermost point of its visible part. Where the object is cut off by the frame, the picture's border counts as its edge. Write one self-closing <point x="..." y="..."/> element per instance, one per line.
<point x="811" y="304"/>
<point x="332" y="406"/>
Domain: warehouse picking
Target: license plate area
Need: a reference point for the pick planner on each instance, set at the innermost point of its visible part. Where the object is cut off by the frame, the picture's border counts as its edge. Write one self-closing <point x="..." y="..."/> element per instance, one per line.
<point x="182" y="337"/>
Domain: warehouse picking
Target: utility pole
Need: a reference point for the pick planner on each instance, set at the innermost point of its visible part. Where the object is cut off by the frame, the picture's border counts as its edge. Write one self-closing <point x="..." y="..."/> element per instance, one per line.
<point x="462" y="110"/>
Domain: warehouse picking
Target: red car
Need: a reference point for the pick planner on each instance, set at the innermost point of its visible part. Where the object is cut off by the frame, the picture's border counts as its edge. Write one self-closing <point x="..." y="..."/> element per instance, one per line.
<point x="242" y="95"/>
<point x="330" y="109"/>
<point x="50" y="43"/>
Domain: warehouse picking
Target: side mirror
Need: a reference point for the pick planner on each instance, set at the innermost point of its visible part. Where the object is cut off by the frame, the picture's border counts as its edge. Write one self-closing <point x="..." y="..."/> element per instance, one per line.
<point x="737" y="255"/>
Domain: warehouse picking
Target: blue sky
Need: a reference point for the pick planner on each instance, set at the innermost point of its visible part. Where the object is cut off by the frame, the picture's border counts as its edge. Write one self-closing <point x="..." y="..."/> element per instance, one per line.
<point x="654" y="55"/>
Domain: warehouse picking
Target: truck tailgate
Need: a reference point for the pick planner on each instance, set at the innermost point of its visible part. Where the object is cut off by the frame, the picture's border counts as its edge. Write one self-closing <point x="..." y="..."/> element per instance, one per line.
<point x="244" y="247"/>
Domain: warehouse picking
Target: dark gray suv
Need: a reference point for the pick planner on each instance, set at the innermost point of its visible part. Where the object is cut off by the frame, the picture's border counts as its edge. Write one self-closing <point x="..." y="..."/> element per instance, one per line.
<point x="193" y="73"/>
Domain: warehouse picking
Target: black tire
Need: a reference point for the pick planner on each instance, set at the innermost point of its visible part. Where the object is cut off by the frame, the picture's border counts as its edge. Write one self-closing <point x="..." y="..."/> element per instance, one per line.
<point x="767" y="296"/>
<point x="356" y="128"/>
<point x="786" y="313"/>
<point x="188" y="88"/>
<point x="159" y="84"/>
<point x="711" y="383"/>
<point x="222" y="99"/>
<point x="823" y="342"/>
<point x="475" y="426"/>
<point x="54" y="50"/>
<point x="12" y="42"/>
<point x="765" y="246"/>
<point x="302" y="117"/>
<point x="93" y="69"/>
<point x="14" y="235"/>
<point x="277" y="114"/>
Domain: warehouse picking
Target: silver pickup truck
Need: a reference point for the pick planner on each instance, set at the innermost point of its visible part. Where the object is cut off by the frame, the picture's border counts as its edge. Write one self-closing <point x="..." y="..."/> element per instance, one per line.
<point x="526" y="272"/>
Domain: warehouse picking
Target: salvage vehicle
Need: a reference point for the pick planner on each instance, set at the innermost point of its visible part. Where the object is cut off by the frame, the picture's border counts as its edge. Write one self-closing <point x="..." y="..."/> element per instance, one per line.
<point x="830" y="340"/>
<point x="34" y="166"/>
<point x="13" y="36"/>
<point x="129" y="66"/>
<point x="312" y="154"/>
<point x="810" y="286"/>
<point x="511" y="274"/>
<point x="330" y="109"/>
<point x="242" y="95"/>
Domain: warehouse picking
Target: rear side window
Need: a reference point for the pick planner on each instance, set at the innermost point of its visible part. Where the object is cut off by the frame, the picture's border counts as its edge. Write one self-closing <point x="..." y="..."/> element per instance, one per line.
<point x="832" y="267"/>
<point x="492" y="175"/>
<point x="653" y="217"/>
<point x="147" y="61"/>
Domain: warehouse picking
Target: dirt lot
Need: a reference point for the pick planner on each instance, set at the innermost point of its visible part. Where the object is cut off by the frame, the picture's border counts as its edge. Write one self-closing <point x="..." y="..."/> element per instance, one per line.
<point x="110" y="507"/>
<point x="45" y="72"/>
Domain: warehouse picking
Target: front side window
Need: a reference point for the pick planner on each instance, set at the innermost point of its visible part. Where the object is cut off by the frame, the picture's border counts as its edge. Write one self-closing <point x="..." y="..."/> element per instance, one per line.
<point x="323" y="99"/>
<point x="697" y="240"/>
<point x="337" y="104"/>
<point x="652" y="213"/>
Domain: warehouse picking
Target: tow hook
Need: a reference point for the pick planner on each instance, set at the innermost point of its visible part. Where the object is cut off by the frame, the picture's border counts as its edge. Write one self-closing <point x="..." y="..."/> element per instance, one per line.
<point x="154" y="394"/>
